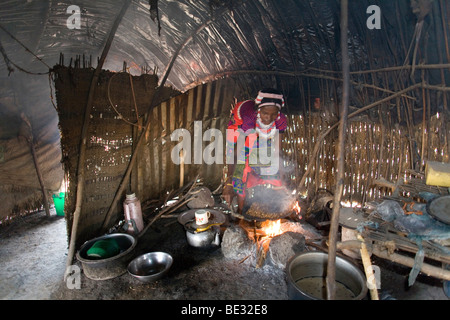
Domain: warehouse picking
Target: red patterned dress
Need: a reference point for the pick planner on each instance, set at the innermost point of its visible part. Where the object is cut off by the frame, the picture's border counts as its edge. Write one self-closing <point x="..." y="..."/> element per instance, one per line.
<point x="249" y="173"/>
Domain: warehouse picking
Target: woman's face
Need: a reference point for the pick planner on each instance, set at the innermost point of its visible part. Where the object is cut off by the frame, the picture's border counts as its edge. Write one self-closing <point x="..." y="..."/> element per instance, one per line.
<point x="268" y="114"/>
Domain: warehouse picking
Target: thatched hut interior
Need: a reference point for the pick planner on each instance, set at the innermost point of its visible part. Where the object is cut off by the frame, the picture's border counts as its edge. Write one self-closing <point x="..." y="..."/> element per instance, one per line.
<point x="95" y="96"/>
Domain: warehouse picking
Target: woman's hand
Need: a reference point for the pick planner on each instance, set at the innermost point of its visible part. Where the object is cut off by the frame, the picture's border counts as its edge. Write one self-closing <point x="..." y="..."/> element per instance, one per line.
<point x="228" y="193"/>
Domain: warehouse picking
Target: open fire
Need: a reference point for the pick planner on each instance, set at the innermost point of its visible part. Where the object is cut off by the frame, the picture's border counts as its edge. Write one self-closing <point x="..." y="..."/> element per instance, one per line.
<point x="297" y="209"/>
<point x="271" y="228"/>
<point x="267" y="228"/>
<point x="262" y="233"/>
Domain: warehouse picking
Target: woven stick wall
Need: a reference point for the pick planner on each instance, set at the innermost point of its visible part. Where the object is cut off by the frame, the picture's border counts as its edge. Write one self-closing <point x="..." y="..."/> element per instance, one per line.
<point x="110" y="136"/>
<point x="373" y="151"/>
<point x="376" y="148"/>
<point x="209" y="105"/>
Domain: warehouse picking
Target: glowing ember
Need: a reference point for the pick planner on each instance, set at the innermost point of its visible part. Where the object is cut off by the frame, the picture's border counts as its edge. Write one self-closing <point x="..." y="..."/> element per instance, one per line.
<point x="272" y="228"/>
<point x="297" y="209"/>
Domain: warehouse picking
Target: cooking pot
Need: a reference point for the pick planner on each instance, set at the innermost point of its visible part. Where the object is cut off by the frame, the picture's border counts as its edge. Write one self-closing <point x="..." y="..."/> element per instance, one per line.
<point x="306" y="275"/>
<point x="267" y="202"/>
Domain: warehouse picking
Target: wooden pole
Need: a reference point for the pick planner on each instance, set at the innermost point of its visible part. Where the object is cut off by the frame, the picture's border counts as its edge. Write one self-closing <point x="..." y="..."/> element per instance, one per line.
<point x="368" y="269"/>
<point x="182" y="168"/>
<point x="27" y="133"/>
<point x="83" y="142"/>
<point x="331" y="267"/>
<point x="381" y="252"/>
<point x="424" y="125"/>
<point x="428" y="269"/>
<point x="41" y="179"/>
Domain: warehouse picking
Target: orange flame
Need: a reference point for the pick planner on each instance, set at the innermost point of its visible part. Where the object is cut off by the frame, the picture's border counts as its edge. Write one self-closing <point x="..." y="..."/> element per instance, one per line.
<point x="272" y="228"/>
<point x="297" y="209"/>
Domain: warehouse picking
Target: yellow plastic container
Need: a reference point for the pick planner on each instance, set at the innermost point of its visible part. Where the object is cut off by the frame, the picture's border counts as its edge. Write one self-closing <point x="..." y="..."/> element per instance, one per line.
<point x="437" y="174"/>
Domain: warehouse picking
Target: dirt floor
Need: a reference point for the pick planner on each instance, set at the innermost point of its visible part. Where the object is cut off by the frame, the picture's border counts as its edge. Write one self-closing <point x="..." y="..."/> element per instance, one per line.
<point x="33" y="252"/>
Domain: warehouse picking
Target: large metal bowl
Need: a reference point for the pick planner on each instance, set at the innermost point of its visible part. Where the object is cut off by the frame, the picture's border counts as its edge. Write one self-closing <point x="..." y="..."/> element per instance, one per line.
<point x="312" y="266"/>
<point x="151" y="266"/>
<point x="108" y="268"/>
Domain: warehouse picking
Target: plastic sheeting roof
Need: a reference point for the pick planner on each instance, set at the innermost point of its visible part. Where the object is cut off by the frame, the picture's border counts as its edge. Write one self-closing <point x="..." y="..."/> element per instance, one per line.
<point x="226" y="35"/>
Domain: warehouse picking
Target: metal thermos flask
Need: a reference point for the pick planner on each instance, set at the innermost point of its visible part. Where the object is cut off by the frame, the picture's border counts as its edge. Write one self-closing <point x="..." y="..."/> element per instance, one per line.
<point x="133" y="214"/>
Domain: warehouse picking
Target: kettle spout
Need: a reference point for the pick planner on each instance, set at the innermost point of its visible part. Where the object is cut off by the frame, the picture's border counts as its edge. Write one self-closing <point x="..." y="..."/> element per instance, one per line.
<point x="216" y="240"/>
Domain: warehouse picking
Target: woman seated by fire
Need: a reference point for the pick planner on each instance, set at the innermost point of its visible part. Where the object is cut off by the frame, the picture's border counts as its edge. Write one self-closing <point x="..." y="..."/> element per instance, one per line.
<point x="253" y="147"/>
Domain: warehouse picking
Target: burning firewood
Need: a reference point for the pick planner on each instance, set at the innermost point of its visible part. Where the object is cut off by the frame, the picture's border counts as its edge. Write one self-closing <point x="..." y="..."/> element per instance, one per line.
<point x="261" y="254"/>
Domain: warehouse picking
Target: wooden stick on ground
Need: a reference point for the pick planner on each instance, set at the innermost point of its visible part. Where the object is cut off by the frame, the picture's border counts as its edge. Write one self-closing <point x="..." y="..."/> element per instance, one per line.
<point x="180" y="202"/>
<point x="371" y="281"/>
<point x="430" y="270"/>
